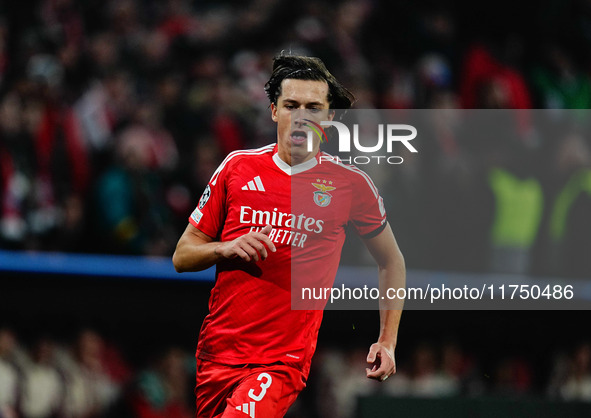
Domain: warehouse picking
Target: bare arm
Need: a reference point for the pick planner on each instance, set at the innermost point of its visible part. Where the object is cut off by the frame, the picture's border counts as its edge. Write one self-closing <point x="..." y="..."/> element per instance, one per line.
<point x="197" y="251"/>
<point x="391" y="274"/>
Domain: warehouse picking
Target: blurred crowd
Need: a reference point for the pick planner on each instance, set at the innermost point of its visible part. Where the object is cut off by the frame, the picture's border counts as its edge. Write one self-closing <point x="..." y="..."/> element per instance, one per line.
<point x="444" y="369"/>
<point x="113" y="115"/>
<point x="88" y="376"/>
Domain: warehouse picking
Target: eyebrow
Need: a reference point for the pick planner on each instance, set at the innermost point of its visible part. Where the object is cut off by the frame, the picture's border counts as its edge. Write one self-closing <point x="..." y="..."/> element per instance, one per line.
<point x="307" y="104"/>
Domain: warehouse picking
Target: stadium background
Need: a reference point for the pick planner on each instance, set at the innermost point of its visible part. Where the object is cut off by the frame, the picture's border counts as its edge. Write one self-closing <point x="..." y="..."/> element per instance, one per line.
<point x="113" y="115"/>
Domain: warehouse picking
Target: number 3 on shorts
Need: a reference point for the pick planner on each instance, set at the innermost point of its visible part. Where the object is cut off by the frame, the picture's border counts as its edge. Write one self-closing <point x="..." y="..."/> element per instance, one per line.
<point x="264" y="386"/>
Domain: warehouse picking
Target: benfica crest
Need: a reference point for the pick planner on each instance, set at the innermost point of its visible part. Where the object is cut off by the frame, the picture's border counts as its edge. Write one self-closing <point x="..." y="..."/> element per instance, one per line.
<point x="321" y="196"/>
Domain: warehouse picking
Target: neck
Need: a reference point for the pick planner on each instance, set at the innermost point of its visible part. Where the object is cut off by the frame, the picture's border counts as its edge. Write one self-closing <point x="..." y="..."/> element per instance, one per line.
<point x="296" y="159"/>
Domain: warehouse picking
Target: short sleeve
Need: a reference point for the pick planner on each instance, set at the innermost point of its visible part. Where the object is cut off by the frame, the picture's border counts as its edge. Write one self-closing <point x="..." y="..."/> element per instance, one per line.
<point x="210" y="213"/>
<point x="368" y="214"/>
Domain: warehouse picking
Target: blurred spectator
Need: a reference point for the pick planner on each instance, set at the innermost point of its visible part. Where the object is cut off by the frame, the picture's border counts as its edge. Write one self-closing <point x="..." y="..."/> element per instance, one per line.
<point x="569" y="221"/>
<point x="400" y="91"/>
<point x="17" y="173"/>
<point x="435" y="80"/>
<point x="8" y="375"/>
<point x="519" y="203"/>
<point x="482" y="70"/>
<point x="130" y="214"/>
<point x="559" y="84"/>
<point x="428" y="379"/>
<point x="162" y="391"/>
<point x="63" y="174"/>
<point x="342" y="380"/>
<point x="350" y="16"/>
<point x="561" y="369"/>
<point x="45" y="171"/>
<point x="89" y="390"/>
<point x="577" y="384"/>
<point x="104" y="108"/>
<point x="512" y="377"/>
<point x="460" y="367"/>
<point x="42" y="388"/>
<point x="207" y="157"/>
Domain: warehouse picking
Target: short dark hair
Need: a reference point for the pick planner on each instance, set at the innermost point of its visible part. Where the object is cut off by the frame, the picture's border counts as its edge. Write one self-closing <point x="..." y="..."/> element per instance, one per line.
<point x="307" y="68"/>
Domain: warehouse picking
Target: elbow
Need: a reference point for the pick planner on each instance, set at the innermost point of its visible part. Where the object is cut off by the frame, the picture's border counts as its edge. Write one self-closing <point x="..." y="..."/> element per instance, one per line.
<point x="185" y="263"/>
<point x="178" y="265"/>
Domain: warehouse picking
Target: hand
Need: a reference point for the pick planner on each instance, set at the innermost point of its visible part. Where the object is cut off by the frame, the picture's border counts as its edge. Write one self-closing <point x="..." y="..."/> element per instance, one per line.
<point x="251" y="246"/>
<point x="381" y="358"/>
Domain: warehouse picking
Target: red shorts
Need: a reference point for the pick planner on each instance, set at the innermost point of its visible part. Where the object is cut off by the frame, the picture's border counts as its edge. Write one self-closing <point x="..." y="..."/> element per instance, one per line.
<point x="262" y="391"/>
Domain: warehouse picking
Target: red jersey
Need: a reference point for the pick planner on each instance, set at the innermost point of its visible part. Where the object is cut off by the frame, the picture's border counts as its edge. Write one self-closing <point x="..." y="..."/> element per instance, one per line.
<point x="253" y="318"/>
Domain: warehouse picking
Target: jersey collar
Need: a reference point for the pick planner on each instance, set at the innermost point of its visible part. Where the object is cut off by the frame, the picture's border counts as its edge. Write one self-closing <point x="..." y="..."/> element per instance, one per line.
<point x="296" y="169"/>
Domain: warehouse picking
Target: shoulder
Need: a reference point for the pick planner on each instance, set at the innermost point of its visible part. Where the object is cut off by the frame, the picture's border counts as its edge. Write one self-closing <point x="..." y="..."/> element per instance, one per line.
<point x="250" y="153"/>
<point x="236" y="157"/>
<point x="240" y="155"/>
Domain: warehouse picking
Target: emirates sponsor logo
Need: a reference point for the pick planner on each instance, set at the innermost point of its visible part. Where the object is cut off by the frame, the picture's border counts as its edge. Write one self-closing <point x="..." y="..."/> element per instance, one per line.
<point x="280" y="219"/>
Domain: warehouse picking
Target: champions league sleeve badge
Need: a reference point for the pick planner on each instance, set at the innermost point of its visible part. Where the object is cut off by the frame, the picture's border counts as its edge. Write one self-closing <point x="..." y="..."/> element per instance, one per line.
<point x="321" y="196"/>
<point x="204" y="197"/>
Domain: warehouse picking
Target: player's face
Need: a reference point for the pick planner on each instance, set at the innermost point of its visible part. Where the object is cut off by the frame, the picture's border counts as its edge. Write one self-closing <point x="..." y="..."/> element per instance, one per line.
<point x="311" y="98"/>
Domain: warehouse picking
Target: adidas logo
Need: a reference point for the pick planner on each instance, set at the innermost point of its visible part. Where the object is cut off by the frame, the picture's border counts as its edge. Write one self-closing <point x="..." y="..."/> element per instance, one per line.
<point x="247" y="409"/>
<point x="255" y="184"/>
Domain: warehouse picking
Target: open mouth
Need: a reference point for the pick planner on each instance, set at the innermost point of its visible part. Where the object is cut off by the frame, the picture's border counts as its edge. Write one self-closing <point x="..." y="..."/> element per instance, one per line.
<point x="298" y="137"/>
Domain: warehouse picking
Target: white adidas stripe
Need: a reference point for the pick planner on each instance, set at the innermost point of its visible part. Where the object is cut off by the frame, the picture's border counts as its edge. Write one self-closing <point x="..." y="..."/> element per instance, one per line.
<point x="255" y="184"/>
<point x="245" y="408"/>
<point x="257" y="151"/>
<point x="354" y="169"/>
<point x="259" y="183"/>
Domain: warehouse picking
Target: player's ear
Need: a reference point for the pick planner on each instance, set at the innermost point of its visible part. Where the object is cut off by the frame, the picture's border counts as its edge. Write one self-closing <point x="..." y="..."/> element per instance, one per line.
<point x="331" y="114"/>
<point x="274" y="112"/>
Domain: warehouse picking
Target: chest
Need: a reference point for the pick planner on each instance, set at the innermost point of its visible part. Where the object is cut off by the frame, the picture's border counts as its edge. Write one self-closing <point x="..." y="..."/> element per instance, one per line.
<point x="315" y="205"/>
